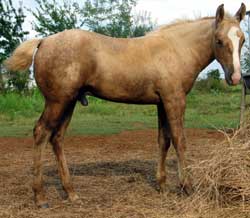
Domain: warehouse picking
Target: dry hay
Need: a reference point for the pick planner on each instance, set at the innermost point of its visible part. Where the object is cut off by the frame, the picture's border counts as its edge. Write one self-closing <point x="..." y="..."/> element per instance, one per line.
<point x="222" y="180"/>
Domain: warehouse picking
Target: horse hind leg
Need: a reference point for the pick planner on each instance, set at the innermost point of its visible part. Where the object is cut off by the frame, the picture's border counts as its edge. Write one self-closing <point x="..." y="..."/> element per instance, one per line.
<point x="43" y="131"/>
<point x="57" y="142"/>
<point x="41" y="137"/>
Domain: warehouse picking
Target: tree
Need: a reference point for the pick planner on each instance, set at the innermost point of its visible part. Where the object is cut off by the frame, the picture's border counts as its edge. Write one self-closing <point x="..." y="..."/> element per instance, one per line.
<point x="245" y="57"/>
<point x="109" y="17"/>
<point x="246" y="61"/>
<point x="214" y="74"/>
<point x="53" y="17"/>
<point x="212" y="83"/>
<point x="245" y="64"/>
<point x="142" y="23"/>
<point x="11" y="31"/>
<point x="114" y="18"/>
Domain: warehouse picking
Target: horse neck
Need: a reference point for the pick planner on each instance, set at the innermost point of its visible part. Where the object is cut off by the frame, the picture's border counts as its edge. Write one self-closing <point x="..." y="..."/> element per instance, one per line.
<point x="196" y="52"/>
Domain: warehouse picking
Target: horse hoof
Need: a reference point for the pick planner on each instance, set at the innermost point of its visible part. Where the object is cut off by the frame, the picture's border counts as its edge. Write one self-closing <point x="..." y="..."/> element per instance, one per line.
<point x="161" y="180"/>
<point x="163" y="188"/>
<point x="44" y="206"/>
<point x="73" y="198"/>
<point x="188" y="189"/>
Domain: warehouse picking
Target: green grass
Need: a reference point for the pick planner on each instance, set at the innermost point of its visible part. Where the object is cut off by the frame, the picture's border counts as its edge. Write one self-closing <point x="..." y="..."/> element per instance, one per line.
<point x="213" y="110"/>
<point x="204" y="110"/>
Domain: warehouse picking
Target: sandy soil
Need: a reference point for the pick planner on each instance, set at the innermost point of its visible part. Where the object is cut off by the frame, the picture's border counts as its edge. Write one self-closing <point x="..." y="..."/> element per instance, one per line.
<point x="113" y="175"/>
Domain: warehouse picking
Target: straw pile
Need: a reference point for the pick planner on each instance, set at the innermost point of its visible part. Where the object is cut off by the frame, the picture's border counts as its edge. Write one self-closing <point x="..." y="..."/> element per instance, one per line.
<point x="222" y="181"/>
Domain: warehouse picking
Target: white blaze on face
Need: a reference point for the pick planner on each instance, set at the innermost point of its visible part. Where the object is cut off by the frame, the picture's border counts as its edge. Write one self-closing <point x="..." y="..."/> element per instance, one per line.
<point x="233" y="36"/>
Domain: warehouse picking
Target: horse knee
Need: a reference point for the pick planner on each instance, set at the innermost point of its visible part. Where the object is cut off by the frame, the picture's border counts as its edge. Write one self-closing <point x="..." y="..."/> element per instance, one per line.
<point x="39" y="133"/>
<point x="56" y="140"/>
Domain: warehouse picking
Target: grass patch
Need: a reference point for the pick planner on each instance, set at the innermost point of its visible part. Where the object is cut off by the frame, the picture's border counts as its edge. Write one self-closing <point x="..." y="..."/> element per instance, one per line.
<point x="204" y="110"/>
<point x="14" y="105"/>
<point x="214" y="109"/>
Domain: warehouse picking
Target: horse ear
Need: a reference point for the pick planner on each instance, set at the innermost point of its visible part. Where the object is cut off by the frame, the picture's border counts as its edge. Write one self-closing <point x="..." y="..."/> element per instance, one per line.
<point x="219" y="14"/>
<point x="241" y="12"/>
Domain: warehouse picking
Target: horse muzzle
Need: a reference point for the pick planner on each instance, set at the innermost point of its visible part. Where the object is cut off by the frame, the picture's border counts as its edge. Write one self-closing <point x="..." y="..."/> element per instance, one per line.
<point x="236" y="78"/>
<point x="232" y="78"/>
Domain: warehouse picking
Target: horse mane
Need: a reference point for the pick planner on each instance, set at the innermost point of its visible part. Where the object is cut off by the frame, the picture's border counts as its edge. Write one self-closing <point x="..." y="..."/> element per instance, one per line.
<point x="179" y="22"/>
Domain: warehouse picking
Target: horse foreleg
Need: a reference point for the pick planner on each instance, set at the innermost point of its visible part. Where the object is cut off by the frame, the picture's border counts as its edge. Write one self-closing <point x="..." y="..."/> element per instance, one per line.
<point x="57" y="143"/>
<point x="175" y="108"/>
<point x="164" y="144"/>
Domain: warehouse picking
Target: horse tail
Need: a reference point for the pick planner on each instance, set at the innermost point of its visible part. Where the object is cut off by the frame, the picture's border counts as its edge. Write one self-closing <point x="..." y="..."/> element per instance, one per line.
<point x="22" y="57"/>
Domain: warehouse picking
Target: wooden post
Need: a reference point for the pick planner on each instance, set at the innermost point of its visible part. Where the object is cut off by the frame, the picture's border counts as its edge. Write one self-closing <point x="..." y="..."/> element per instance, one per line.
<point x="1" y="79"/>
<point x="243" y="105"/>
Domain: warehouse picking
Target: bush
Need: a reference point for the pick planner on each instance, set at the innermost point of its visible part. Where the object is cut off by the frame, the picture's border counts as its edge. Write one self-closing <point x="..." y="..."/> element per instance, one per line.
<point x="18" y="82"/>
<point x="214" y="74"/>
<point x="15" y="81"/>
<point x="28" y="104"/>
<point x="212" y="83"/>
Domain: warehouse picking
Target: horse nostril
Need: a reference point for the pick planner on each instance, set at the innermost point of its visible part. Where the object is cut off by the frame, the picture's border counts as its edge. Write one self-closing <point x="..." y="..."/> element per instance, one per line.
<point x="236" y="78"/>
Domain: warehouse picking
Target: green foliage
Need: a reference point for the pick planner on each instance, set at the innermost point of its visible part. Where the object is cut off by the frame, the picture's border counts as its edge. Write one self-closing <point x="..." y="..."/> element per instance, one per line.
<point x="142" y="23"/>
<point x="214" y="74"/>
<point x="11" y="32"/>
<point x="18" y="82"/>
<point x="14" y="104"/>
<point x="245" y="52"/>
<point x="53" y="17"/>
<point x="114" y="18"/>
<point x="108" y="17"/>
<point x="212" y="83"/>
<point x="245" y="60"/>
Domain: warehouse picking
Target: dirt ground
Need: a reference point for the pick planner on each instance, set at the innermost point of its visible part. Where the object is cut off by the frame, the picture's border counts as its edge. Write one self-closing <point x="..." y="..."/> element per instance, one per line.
<point x="113" y="175"/>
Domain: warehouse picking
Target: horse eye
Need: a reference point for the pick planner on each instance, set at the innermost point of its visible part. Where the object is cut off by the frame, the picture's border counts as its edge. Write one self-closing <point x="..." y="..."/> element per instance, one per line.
<point x="219" y="43"/>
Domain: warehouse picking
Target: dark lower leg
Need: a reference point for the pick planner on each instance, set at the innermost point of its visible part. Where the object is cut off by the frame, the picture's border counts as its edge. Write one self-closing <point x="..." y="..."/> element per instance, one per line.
<point x="161" y="171"/>
<point x="57" y="143"/>
<point x="41" y="136"/>
<point x="164" y="144"/>
<point x="63" y="168"/>
<point x="179" y="144"/>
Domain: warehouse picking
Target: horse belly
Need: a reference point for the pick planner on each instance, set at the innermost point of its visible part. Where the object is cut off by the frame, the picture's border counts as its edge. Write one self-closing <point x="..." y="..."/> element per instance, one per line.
<point x="124" y="77"/>
<point x="128" y="93"/>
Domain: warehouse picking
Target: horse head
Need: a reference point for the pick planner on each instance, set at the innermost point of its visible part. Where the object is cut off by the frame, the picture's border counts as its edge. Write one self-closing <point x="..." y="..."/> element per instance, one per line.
<point x="227" y="43"/>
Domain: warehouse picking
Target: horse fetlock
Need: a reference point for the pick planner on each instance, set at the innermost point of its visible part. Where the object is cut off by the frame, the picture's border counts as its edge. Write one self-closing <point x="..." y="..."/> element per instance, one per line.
<point x="41" y="200"/>
<point x="161" y="179"/>
<point x="43" y="206"/>
<point x="187" y="187"/>
<point x="73" y="197"/>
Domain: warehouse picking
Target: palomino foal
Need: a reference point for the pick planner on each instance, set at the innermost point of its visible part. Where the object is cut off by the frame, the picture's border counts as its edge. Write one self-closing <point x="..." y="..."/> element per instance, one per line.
<point x="159" y="69"/>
